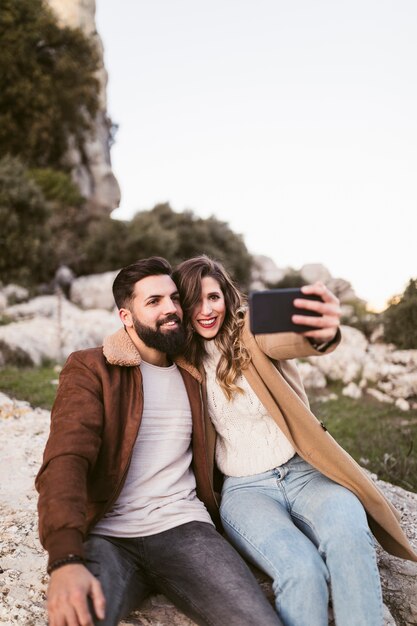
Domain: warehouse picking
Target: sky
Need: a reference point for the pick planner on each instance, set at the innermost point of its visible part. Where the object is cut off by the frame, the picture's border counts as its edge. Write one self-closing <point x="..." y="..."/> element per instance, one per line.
<point x="293" y="121"/>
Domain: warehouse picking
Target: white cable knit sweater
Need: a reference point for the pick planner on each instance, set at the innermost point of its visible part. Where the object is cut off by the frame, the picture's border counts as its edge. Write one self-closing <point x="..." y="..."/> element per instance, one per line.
<point x="248" y="439"/>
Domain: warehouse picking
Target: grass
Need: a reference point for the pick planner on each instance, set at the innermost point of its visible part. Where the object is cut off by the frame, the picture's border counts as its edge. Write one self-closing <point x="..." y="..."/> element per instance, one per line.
<point x="379" y="436"/>
<point x="33" y="384"/>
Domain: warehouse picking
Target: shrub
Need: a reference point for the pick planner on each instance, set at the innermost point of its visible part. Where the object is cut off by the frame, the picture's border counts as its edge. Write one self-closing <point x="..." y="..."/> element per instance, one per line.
<point x="400" y="319"/>
<point x="48" y="88"/>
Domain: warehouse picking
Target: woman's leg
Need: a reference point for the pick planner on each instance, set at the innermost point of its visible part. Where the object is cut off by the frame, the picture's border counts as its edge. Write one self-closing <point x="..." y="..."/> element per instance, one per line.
<point x="335" y="521"/>
<point x="258" y="524"/>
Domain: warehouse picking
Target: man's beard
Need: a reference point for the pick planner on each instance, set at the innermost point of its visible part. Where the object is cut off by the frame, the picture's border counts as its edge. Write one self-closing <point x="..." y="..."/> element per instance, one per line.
<point x="168" y="342"/>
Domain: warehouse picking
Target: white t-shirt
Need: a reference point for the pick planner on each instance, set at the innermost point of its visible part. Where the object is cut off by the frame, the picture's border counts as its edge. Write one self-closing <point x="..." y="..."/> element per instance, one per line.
<point x="160" y="488"/>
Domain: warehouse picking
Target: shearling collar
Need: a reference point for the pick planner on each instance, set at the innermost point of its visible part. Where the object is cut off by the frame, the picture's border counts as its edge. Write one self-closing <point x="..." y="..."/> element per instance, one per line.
<point x="119" y="349"/>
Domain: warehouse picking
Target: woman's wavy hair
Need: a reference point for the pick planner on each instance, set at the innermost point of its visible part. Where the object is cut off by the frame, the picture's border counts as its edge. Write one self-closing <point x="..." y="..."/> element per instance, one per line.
<point x="234" y="356"/>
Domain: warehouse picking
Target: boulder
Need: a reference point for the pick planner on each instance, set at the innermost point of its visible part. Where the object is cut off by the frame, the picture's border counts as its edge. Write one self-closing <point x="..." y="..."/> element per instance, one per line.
<point x="23" y="433"/>
<point x="265" y="271"/>
<point x="352" y="390"/>
<point x="311" y="376"/>
<point x="312" y="272"/>
<point x="49" y="328"/>
<point x="346" y="362"/>
<point x="90" y="164"/>
<point x="94" y="291"/>
<point x="15" y="293"/>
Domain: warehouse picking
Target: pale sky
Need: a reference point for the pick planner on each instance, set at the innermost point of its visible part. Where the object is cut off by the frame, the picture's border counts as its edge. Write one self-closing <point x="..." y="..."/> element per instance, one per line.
<point x="294" y="121"/>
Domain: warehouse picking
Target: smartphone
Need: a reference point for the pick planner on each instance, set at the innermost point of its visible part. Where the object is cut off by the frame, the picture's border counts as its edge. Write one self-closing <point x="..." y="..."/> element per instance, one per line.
<point x="271" y="311"/>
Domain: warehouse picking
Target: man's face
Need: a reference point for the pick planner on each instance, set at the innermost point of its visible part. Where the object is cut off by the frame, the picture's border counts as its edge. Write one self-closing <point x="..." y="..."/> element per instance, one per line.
<point x="156" y="314"/>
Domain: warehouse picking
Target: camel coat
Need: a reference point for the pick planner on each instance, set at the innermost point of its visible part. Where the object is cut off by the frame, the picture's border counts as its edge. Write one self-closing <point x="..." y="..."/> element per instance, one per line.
<point x="277" y="383"/>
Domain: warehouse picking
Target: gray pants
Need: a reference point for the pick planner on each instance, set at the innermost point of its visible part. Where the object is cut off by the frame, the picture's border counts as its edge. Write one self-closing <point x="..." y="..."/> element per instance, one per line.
<point x="192" y="565"/>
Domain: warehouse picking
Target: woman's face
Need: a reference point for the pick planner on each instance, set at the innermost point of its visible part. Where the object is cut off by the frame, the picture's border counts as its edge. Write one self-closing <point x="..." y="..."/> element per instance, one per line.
<point x="208" y="316"/>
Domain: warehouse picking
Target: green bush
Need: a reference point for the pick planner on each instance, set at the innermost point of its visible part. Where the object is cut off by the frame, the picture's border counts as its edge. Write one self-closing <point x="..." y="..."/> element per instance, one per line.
<point x="23" y="215"/>
<point x="48" y="88"/>
<point x="111" y="244"/>
<point x="400" y="319"/>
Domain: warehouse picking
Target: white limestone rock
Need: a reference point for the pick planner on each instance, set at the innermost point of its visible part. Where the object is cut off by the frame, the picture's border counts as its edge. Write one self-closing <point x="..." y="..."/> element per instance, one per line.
<point x="94" y="291"/>
<point x="352" y="390"/>
<point x="312" y="272"/>
<point x="23" y="433"/>
<point x="378" y="395"/>
<point x="91" y="170"/>
<point x="402" y="404"/>
<point x="60" y="329"/>
<point x="346" y="362"/>
<point x="15" y="293"/>
<point x="265" y="271"/>
<point x="311" y="376"/>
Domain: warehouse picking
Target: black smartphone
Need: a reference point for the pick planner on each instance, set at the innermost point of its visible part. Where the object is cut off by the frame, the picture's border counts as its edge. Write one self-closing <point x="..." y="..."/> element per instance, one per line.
<point x="271" y="311"/>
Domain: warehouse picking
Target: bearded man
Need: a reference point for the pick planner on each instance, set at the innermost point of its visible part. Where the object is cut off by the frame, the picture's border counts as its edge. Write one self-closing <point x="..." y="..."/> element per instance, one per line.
<point x="126" y="503"/>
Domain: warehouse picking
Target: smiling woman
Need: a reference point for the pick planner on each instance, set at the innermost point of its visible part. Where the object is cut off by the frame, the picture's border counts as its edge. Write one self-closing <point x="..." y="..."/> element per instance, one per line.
<point x="293" y="502"/>
<point x="209" y="315"/>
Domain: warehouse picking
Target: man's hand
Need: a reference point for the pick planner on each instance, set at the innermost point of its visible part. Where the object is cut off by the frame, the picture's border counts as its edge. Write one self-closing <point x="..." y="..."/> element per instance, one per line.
<point x="70" y="587"/>
<point x="329" y="310"/>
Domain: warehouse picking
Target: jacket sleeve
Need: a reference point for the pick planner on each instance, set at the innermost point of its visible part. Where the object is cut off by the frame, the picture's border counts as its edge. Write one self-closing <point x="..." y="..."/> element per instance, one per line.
<point x="282" y="346"/>
<point x="70" y="453"/>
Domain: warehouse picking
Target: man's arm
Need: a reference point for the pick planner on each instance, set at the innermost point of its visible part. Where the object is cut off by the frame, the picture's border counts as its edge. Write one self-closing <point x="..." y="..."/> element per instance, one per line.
<point x="71" y="451"/>
<point x="69" y="588"/>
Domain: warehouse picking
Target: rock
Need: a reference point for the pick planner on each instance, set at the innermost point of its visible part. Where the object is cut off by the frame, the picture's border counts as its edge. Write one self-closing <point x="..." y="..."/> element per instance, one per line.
<point x="15" y="293"/>
<point x="90" y="166"/>
<point x="346" y="362"/>
<point x="94" y="292"/>
<point x="23" y="433"/>
<point x="50" y="328"/>
<point x="402" y="404"/>
<point x="265" y="271"/>
<point x="312" y="272"/>
<point x="378" y="395"/>
<point x="343" y="290"/>
<point x="377" y="334"/>
<point x="352" y="390"/>
<point x="401" y="384"/>
<point x="311" y="376"/>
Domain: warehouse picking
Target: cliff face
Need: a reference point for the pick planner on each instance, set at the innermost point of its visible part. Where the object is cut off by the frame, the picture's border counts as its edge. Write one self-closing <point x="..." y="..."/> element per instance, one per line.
<point x="90" y="165"/>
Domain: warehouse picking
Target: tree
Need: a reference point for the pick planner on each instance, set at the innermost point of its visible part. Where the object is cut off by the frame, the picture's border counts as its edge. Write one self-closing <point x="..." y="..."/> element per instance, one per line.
<point x="23" y="215"/>
<point x="48" y="88"/>
<point x="400" y="319"/>
<point x="178" y="236"/>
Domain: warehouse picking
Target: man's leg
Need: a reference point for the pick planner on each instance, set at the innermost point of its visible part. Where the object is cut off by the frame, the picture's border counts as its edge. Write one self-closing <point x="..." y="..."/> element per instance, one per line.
<point x="123" y="584"/>
<point x="198" y="570"/>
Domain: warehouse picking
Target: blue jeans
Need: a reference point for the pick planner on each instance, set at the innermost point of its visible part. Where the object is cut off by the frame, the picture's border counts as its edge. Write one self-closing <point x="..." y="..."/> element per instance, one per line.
<point x="192" y="564"/>
<point x="306" y="532"/>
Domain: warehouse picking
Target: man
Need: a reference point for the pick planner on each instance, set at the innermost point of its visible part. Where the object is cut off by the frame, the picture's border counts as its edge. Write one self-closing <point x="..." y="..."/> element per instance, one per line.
<point x="125" y="491"/>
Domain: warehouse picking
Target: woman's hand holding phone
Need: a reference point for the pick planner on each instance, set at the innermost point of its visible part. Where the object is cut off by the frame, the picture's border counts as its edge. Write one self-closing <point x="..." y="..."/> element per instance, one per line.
<point x="327" y="319"/>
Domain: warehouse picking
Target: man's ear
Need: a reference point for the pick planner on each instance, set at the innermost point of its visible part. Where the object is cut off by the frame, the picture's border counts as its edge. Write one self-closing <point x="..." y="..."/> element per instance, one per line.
<point x="126" y="317"/>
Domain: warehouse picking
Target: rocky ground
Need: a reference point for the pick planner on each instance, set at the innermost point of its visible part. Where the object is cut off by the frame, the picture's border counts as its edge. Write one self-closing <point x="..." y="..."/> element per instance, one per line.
<point x="23" y="432"/>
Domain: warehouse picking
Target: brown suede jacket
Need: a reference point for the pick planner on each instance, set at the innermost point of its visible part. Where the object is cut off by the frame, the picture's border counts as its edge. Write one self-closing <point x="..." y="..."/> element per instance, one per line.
<point x="94" y="424"/>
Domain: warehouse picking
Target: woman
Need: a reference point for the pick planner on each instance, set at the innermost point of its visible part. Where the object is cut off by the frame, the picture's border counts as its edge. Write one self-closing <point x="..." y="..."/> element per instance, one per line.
<point x="285" y="503"/>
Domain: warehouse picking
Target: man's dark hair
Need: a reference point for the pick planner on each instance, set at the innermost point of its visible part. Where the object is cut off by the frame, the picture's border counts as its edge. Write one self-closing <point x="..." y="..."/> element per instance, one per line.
<point x="125" y="281"/>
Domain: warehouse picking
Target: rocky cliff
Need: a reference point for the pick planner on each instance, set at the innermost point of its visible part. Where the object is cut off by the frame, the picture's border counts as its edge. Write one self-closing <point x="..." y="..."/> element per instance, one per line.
<point x="90" y="165"/>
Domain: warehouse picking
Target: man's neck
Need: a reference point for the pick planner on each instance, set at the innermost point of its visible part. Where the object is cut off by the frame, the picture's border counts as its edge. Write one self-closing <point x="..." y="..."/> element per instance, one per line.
<point x="150" y="355"/>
